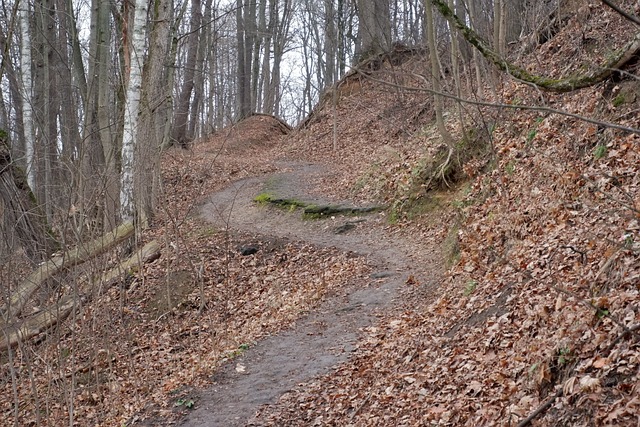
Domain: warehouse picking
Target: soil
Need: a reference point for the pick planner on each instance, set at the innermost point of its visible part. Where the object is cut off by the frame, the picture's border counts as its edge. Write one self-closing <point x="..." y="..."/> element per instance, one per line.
<point x="323" y="338"/>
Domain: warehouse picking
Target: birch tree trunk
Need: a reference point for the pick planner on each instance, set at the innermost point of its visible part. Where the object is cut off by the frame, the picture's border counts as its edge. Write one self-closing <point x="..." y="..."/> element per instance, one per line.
<point x="132" y="108"/>
<point x="27" y="109"/>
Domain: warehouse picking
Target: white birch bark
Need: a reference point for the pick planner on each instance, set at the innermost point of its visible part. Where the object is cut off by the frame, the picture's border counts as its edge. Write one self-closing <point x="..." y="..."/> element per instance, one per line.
<point x="132" y="108"/>
<point x="27" y="109"/>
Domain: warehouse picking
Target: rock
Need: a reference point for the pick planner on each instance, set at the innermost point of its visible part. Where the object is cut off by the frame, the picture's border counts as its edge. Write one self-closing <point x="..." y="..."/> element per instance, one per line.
<point x="248" y="250"/>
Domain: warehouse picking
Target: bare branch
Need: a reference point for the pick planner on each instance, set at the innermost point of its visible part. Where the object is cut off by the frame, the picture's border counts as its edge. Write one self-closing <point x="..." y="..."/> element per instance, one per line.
<point x="567" y="84"/>
<point x="509" y="106"/>
<point x="617" y="8"/>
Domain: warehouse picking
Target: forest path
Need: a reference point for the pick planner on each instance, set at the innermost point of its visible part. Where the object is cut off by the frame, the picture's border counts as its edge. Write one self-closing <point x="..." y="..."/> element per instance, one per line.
<point x="326" y="337"/>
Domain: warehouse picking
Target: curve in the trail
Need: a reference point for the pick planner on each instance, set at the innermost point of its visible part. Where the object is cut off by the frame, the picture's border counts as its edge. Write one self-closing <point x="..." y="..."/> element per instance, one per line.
<point x="325" y="337"/>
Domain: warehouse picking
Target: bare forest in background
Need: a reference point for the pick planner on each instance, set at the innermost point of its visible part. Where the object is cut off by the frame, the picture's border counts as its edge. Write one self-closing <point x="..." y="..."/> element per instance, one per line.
<point x="86" y="84"/>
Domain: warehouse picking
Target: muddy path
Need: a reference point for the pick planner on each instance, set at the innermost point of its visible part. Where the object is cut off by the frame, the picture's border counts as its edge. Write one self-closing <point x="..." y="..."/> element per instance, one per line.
<point x="326" y="337"/>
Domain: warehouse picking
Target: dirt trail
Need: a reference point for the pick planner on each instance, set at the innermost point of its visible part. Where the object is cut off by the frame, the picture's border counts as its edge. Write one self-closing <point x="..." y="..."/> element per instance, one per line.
<point x="325" y="337"/>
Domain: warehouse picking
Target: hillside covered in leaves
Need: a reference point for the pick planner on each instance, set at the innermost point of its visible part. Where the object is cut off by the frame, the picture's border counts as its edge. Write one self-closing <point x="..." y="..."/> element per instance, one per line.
<point x="537" y="319"/>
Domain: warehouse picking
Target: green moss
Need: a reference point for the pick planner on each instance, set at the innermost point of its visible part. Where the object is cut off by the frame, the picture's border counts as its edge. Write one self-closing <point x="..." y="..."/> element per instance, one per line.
<point x="510" y="167"/>
<point x="618" y="100"/>
<point x="470" y="287"/>
<point x="311" y="210"/>
<point x="451" y="246"/>
<point x="600" y="151"/>
<point x="263" y="198"/>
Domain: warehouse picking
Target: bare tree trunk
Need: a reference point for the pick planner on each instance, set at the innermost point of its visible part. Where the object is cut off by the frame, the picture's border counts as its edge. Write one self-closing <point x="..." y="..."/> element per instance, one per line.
<point x="27" y="110"/>
<point x="455" y="66"/>
<point x="267" y="98"/>
<point x="330" y="43"/>
<point x="154" y="111"/>
<point x="196" y="122"/>
<point x="132" y="109"/>
<point x="21" y="210"/>
<point x="181" y="119"/>
<point x="514" y="16"/>
<point x="69" y="122"/>
<point x="375" y="27"/>
<point x="91" y="199"/>
<point x="257" y="30"/>
<point x="244" y="66"/>
<point x="17" y="148"/>
<point x="435" y="76"/>
<point x="47" y="105"/>
<point x="109" y="175"/>
<point x="476" y="56"/>
<point x="497" y="22"/>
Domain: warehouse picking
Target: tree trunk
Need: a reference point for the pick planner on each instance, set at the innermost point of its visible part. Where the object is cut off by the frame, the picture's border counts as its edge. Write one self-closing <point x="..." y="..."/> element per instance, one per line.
<point x="27" y="111"/>
<point x="17" y="146"/>
<point x="69" y="123"/>
<point x="21" y="210"/>
<point x="154" y="111"/>
<point x="132" y="109"/>
<point x="181" y="119"/>
<point x="374" y="28"/>
<point x="196" y="119"/>
<point x="330" y="43"/>
<point x="92" y="158"/>
<point x="435" y="76"/>
<point x="244" y="72"/>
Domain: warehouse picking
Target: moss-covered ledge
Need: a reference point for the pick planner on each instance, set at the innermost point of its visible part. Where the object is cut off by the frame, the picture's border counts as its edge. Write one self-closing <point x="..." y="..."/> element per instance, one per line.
<point x="314" y="210"/>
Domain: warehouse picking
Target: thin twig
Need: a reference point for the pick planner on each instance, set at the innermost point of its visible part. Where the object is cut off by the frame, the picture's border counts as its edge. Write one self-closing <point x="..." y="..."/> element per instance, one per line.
<point x="625" y="333"/>
<point x="628" y="16"/>
<point x="509" y="106"/>
<point x="540" y="409"/>
<point x="359" y="408"/>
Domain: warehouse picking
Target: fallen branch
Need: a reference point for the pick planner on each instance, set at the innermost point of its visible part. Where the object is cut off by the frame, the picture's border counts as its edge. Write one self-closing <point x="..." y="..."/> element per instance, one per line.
<point x="73" y="257"/>
<point x="147" y="253"/>
<point x="44" y="319"/>
<point x="37" y="323"/>
<point x="540" y="408"/>
<point x="627" y="332"/>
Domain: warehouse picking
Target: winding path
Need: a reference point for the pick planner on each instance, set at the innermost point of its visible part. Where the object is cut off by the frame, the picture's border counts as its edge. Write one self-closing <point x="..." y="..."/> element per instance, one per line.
<point x="322" y="339"/>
